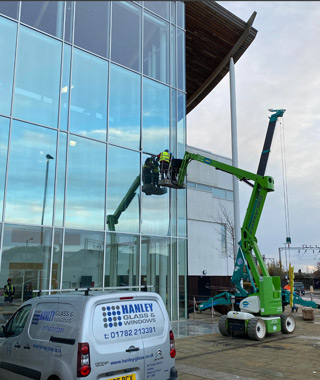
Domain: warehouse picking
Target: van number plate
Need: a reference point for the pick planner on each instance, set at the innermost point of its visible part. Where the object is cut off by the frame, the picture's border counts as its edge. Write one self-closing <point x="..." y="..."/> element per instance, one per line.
<point x="124" y="377"/>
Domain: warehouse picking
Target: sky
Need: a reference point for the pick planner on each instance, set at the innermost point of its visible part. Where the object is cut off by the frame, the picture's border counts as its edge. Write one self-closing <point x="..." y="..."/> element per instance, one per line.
<point x="279" y="70"/>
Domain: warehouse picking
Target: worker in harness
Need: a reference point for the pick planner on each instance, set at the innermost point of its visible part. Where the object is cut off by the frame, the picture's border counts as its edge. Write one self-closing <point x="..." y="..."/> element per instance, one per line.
<point x="9" y="291"/>
<point x="164" y="159"/>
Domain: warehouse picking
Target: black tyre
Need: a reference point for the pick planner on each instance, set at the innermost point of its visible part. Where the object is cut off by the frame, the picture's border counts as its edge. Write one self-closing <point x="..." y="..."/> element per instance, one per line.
<point x="223" y="326"/>
<point x="288" y="323"/>
<point x="256" y="329"/>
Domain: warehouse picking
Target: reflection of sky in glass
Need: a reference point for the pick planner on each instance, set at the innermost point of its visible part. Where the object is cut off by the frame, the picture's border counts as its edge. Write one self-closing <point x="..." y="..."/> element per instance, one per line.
<point x="155" y="132"/>
<point x="123" y="170"/>
<point x="155" y="213"/>
<point x="88" y="109"/>
<point x="8" y="31"/>
<point x="4" y="132"/>
<point x="124" y="108"/>
<point x="65" y="87"/>
<point x="85" y="184"/>
<point x="27" y="172"/>
<point x="36" y="94"/>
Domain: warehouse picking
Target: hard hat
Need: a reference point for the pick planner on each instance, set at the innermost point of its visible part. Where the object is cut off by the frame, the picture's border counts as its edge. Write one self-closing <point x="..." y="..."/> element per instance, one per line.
<point x="166" y="150"/>
<point x="9" y="279"/>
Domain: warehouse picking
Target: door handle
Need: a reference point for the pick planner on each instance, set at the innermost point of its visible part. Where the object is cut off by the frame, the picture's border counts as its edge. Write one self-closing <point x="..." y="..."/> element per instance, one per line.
<point x="17" y="345"/>
<point x="133" y="348"/>
<point x="27" y="347"/>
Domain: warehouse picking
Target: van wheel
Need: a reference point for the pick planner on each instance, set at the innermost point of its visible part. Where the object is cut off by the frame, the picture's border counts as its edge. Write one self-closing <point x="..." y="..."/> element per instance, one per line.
<point x="223" y="326"/>
<point x="256" y="329"/>
<point x="288" y="323"/>
<point x="54" y="378"/>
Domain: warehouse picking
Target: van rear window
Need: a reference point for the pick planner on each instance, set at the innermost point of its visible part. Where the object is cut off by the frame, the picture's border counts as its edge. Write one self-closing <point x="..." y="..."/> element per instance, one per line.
<point x="127" y="320"/>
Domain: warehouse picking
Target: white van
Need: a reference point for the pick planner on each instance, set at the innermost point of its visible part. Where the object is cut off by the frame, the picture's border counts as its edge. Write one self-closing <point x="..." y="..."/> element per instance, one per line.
<point x="92" y="335"/>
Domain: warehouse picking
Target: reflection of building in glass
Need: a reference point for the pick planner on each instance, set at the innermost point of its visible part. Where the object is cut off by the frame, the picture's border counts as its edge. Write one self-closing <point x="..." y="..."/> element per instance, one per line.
<point x="99" y="87"/>
<point x="89" y="90"/>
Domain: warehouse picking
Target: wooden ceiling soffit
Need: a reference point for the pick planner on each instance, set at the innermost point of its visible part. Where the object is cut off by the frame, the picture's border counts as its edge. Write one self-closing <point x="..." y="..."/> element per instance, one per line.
<point x="220" y="70"/>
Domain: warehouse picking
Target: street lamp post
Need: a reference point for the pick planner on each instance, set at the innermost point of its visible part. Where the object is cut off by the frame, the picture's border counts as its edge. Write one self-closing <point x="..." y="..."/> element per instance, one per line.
<point x="48" y="157"/>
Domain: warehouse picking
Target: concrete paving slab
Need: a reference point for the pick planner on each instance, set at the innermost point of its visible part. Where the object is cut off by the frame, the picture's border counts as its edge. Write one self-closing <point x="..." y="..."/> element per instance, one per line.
<point x="203" y="353"/>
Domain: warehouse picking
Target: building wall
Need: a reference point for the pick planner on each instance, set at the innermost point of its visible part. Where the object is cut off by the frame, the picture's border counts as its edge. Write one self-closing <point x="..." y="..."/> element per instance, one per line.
<point x="88" y="91"/>
<point x="210" y="191"/>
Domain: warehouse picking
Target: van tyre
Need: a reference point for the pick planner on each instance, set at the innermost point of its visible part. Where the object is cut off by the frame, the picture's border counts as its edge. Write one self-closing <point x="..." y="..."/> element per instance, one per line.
<point x="256" y="329"/>
<point x="288" y="323"/>
<point x="223" y="326"/>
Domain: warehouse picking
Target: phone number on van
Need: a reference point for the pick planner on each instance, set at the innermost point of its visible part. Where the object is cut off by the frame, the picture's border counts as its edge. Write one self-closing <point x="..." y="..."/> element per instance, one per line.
<point x="121" y="333"/>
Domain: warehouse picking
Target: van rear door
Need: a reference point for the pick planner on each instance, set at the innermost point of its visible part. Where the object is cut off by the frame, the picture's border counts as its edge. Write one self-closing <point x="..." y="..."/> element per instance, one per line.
<point x="116" y="346"/>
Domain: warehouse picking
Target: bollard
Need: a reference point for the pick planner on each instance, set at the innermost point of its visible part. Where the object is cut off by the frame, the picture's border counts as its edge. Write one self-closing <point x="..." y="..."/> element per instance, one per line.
<point x="311" y="292"/>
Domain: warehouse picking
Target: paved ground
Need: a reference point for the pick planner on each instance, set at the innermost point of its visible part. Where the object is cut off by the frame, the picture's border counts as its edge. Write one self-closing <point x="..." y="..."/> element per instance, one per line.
<point x="203" y="353"/>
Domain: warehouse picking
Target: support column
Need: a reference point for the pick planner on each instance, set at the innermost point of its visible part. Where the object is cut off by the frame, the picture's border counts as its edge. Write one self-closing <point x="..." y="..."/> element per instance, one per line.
<point x="236" y="200"/>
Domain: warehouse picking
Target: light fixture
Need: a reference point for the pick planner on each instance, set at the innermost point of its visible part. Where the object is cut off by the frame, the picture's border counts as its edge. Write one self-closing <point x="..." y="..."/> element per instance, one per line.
<point x="204" y="272"/>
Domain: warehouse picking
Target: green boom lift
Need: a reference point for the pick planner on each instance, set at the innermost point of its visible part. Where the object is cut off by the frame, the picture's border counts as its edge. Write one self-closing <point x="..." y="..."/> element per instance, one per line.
<point x="261" y="311"/>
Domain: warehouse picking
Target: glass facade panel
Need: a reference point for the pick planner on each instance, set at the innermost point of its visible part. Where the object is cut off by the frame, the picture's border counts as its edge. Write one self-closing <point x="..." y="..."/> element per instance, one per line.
<point x="155" y="266"/>
<point x="85" y="201"/>
<point x="88" y="109"/>
<point x="82" y="259"/>
<point x="181" y="69"/>
<point x="182" y="275"/>
<point x="125" y="37"/>
<point x="61" y="179"/>
<point x="156" y="48"/>
<point x="36" y="93"/>
<point x="10" y="8"/>
<point x="65" y="87"/>
<point x="155" y="121"/>
<point x="31" y="174"/>
<point x="4" y="133"/>
<point x="68" y="32"/>
<point x="124" y="108"/>
<point x="46" y="16"/>
<point x="92" y="26"/>
<point x="26" y="256"/>
<point x="180" y="14"/>
<point x="8" y="34"/>
<point x="57" y="259"/>
<point x="122" y="260"/>
<point x="61" y="195"/>
<point x="123" y="190"/>
<point x="161" y="8"/>
<point x="155" y="213"/>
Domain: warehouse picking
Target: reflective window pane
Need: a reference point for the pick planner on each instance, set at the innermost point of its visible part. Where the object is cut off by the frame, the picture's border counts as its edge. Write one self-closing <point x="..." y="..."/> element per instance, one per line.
<point x="125" y="42"/>
<point x="92" y="26"/>
<point x="36" y="93"/>
<point x="26" y="256"/>
<point x="44" y="15"/>
<point x="65" y="87"/>
<point x="88" y="110"/>
<point x="155" y="116"/>
<point x="161" y="8"/>
<point x="182" y="213"/>
<point x="173" y="11"/>
<point x="57" y="259"/>
<point x="182" y="275"/>
<point x="155" y="213"/>
<point x="83" y="259"/>
<point x="181" y="69"/>
<point x="4" y="133"/>
<point x="181" y="128"/>
<point x="173" y="123"/>
<point x="8" y="33"/>
<point x="180" y="14"/>
<point x="122" y="263"/>
<point x="10" y="8"/>
<point x="123" y="190"/>
<point x="156" y="48"/>
<point x="155" y="265"/>
<point x="85" y="201"/>
<point x="31" y="174"/>
<point x="61" y="180"/>
<point x="173" y="63"/>
<point x="68" y="32"/>
<point x="124" y="108"/>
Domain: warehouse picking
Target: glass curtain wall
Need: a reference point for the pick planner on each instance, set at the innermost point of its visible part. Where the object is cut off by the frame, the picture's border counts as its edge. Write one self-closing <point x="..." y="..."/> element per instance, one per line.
<point x="89" y="92"/>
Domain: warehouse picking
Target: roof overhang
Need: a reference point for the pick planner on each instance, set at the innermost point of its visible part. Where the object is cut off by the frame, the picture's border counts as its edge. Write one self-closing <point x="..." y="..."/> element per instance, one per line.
<point x="213" y="36"/>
